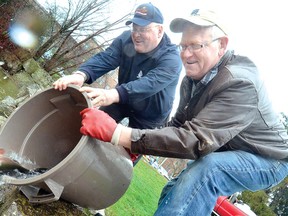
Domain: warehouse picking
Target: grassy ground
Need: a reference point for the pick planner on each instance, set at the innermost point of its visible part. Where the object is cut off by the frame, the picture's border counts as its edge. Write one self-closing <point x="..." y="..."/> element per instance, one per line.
<point x="142" y="196"/>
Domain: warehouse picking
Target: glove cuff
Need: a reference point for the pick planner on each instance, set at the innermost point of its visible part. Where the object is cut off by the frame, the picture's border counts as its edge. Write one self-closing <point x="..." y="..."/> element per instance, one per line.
<point x="116" y="135"/>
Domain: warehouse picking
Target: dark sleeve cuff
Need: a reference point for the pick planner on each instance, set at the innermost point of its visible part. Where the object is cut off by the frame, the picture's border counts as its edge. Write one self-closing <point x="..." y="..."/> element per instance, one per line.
<point x="136" y="137"/>
<point x="123" y="94"/>
<point x="88" y="78"/>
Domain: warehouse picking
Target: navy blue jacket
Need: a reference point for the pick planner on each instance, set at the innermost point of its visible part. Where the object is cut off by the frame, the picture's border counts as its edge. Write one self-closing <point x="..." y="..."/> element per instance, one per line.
<point x="146" y="81"/>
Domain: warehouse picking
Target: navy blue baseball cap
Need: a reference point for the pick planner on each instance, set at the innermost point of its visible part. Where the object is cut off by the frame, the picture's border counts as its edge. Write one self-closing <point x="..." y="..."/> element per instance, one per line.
<point x="146" y="14"/>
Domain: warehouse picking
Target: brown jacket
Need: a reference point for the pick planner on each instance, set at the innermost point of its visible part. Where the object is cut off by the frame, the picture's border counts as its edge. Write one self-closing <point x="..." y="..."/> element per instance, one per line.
<point x="232" y="112"/>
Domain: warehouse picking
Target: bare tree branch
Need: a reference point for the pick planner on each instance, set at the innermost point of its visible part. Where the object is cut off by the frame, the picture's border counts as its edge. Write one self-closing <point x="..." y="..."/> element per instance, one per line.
<point x="72" y="29"/>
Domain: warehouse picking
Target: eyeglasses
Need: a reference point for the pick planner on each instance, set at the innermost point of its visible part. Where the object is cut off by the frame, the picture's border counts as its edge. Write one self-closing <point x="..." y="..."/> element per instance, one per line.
<point x="141" y="30"/>
<point x="195" y="47"/>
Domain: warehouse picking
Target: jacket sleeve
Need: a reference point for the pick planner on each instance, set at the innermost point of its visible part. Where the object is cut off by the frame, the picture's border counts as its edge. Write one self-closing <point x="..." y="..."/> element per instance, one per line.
<point x="105" y="61"/>
<point x="230" y="111"/>
<point x="166" y="71"/>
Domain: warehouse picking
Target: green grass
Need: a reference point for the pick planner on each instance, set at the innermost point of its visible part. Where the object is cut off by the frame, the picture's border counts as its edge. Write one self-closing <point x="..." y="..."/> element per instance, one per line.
<point x="142" y="196"/>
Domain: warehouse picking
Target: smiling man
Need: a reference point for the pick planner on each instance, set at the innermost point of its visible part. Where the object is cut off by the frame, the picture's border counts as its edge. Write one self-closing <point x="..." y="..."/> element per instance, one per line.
<point x="225" y="123"/>
<point x="149" y="69"/>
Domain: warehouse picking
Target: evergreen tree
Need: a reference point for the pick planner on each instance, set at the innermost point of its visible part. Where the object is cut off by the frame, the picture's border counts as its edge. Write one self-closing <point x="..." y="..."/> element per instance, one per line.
<point x="279" y="203"/>
<point x="280" y="199"/>
<point x="258" y="202"/>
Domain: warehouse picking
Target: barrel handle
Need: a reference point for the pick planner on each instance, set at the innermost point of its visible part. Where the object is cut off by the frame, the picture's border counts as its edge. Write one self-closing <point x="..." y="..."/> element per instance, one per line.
<point x="31" y="192"/>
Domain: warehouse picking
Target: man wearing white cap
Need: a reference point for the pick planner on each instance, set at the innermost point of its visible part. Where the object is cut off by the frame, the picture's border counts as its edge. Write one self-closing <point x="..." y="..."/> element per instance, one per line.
<point x="224" y="122"/>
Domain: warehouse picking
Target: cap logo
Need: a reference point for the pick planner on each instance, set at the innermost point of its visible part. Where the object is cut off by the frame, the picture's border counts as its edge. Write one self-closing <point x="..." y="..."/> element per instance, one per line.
<point x="142" y="11"/>
<point x="146" y="14"/>
<point x="195" y="12"/>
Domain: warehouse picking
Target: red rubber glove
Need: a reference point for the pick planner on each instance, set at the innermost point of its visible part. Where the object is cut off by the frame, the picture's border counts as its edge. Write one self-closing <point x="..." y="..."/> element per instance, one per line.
<point x="97" y="124"/>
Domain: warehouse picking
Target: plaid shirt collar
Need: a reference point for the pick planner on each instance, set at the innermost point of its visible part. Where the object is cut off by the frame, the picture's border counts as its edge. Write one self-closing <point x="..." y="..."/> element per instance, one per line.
<point x="211" y="74"/>
<point x="206" y="79"/>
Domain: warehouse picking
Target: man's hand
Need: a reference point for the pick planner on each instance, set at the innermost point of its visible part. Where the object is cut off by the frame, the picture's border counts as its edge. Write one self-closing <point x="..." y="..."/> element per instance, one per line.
<point x="63" y="82"/>
<point x="97" y="124"/>
<point x="101" y="97"/>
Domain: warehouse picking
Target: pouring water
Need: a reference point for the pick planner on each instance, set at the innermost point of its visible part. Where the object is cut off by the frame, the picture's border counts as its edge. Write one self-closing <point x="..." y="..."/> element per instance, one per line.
<point x="11" y="165"/>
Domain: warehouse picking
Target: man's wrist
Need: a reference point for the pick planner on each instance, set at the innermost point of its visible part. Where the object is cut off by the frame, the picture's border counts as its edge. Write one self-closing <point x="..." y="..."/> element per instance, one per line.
<point x="116" y="135"/>
<point x="82" y="74"/>
<point x="114" y="94"/>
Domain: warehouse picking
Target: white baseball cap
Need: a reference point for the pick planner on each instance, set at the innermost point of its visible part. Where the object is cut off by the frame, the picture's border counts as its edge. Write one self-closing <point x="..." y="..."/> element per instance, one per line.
<point x="200" y="17"/>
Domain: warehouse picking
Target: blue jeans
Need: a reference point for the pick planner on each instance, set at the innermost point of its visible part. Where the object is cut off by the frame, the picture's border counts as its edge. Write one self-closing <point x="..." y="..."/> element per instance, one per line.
<point x="196" y="189"/>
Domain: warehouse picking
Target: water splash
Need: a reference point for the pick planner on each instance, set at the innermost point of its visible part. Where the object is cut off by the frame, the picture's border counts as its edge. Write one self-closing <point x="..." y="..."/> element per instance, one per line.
<point x="10" y="173"/>
<point x="8" y="177"/>
<point x="20" y="159"/>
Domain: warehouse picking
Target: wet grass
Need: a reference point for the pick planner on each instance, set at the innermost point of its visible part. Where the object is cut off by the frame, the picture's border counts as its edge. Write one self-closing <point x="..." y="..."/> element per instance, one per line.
<point x="142" y="196"/>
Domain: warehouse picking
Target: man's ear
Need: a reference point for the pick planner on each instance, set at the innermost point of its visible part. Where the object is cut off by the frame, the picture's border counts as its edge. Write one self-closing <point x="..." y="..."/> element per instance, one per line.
<point x="223" y="45"/>
<point x="160" y="31"/>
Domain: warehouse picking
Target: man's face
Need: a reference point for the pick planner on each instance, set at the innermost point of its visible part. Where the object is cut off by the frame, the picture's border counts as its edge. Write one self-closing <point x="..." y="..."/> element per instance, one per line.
<point x="146" y="38"/>
<point x="200" y="52"/>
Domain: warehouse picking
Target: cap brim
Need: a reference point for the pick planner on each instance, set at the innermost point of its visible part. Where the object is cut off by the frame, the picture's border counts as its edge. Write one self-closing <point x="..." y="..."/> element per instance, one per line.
<point x="138" y="21"/>
<point x="177" y="25"/>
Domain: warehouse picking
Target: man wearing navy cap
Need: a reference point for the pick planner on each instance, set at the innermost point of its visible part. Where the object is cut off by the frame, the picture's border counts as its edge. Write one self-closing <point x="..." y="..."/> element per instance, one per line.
<point x="145" y="14"/>
<point x="149" y="69"/>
